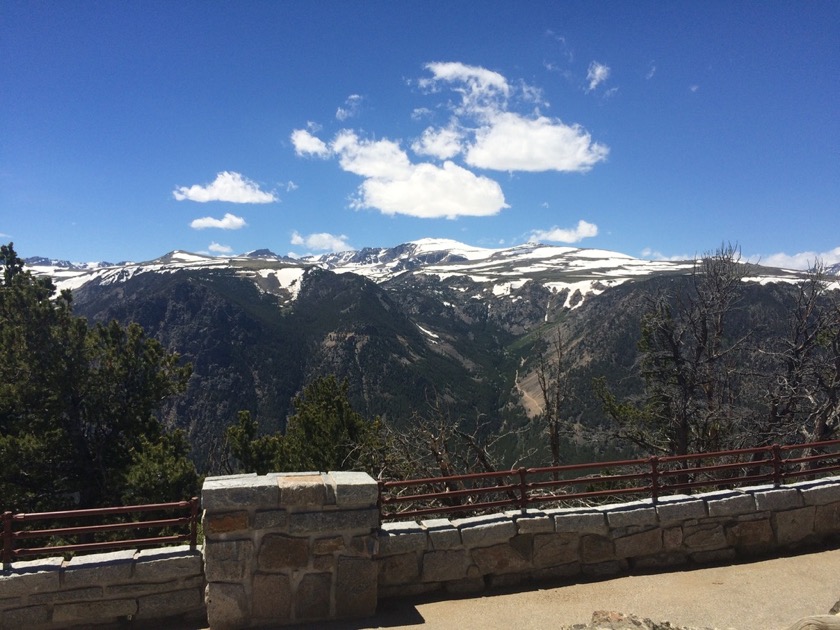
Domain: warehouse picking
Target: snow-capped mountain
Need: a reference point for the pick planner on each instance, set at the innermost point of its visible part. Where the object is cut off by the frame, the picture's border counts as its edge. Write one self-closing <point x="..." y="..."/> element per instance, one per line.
<point x="498" y="271"/>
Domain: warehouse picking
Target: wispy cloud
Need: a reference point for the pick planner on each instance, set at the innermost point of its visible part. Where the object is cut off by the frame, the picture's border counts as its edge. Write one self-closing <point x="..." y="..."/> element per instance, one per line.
<point x="217" y="248"/>
<point x="596" y="75"/>
<point x="582" y="230"/>
<point x="801" y="260"/>
<point x="651" y="71"/>
<point x="321" y="241"/>
<point x="652" y="254"/>
<point x="350" y="109"/>
<point x="228" y="186"/>
<point x="228" y="222"/>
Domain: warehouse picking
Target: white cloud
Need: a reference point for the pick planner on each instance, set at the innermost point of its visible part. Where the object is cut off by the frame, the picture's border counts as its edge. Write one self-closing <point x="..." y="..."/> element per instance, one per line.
<point x="651" y="71"/>
<point x="370" y="158"/>
<point x="597" y="74"/>
<point x="228" y="222"/>
<point x="694" y="87"/>
<point x="216" y="248"/>
<point x="653" y="254"/>
<point x="440" y="143"/>
<point x="307" y="144"/>
<point x="566" y="235"/>
<point x="430" y="192"/>
<point x="350" y="108"/>
<point x="481" y="90"/>
<point x="514" y="143"/>
<point x="228" y="186"/>
<point x="802" y="260"/>
<point x="321" y="241"/>
<point x="291" y="186"/>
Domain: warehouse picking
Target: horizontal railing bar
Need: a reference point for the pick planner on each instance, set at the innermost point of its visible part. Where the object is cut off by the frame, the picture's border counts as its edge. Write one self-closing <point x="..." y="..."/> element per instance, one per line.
<point x="812" y="471"/>
<point x="573" y="467"/>
<point x="715" y="482"/>
<point x="580" y="480"/>
<point x="454" y="508"/>
<point x="711" y="468"/>
<point x="452" y="478"/>
<point x="403" y="498"/>
<point x="793" y="447"/>
<point x="152" y="507"/>
<point x="94" y="529"/>
<point x="591" y="494"/>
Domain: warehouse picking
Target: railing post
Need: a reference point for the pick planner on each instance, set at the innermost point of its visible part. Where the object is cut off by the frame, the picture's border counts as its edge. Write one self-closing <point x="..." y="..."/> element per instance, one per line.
<point x="380" y="486"/>
<point x="523" y="489"/>
<point x="777" y="465"/>
<point x="654" y="478"/>
<point x="8" y="540"/>
<point x="193" y="522"/>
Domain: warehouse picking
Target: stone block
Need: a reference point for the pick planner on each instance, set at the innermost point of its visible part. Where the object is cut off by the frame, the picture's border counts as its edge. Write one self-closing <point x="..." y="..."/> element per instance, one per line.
<point x="364" y="545"/>
<point x="356" y="589"/>
<point x="14" y="583"/>
<point x="301" y="490"/>
<point x="278" y="552"/>
<point x="498" y="559"/>
<point x="401" y="537"/>
<point x="169" y="604"/>
<point x="327" y="546"/>
<point x="227" y="606"/>
<point x="672" y="538"/>
<point x="794" y="526"/>
<point x="271" y="598"/>
<point x="218" y="523"/>
<point x="334" y="522"/>
<point x="100" y="568"/>
<point x="750" y="535"/>
<point x="271" y="519"/>
<point x="354" y="489"/>
<point x="467" y="586"/>
<point x="556" y="572"/>
<point x="533" y="522"/>
<point x="604" y="569"/>
<point x="671" y="510"/>
<point x="236" y="492"/>
<point x="660" y="560"/>
<point x="476" y="533"/>
<point x="641" y="516"/>
<point x="576" y="522"/>
<point x="26" y="617"/>
<point x="444" y="566"/>
<point x="777" y="499"/>
<point x="821" y="494"/>
<point x="644" y="544"/>
<point x="730" y="504"/>
<point x="827" y="519"/>
<point x="85" y="594"/>
<point x="312" y="598"/>
<point x="402" y="569"/>
<point x="704" y="537"/>
<point x="596" y="549"/>
<point x="167" y="563"/>
<point x="555" y="549"/>
<point x="93" y="612"/>
<point x="227" y="561"/>
<point x="442" y="534"/>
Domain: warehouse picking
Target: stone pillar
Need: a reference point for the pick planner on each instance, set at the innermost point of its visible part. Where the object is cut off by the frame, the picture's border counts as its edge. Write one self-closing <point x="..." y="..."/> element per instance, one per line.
<point x="288" y="548"/>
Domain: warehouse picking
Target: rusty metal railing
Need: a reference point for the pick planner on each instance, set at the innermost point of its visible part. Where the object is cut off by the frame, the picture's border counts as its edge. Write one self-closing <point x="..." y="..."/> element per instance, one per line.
<point x="651" y="477"/>
<point x="14" y="529"/>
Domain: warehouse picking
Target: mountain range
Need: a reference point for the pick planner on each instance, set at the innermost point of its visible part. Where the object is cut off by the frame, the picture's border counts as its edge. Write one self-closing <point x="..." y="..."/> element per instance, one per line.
<point x="427" y="327"/>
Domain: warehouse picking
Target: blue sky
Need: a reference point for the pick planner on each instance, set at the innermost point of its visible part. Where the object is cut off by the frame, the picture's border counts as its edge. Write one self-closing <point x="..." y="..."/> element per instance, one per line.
<point x="130" y="129"/>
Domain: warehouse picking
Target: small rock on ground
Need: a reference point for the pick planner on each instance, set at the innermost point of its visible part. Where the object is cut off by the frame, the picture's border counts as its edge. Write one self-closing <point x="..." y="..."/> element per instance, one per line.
<point x="611" y="620"/>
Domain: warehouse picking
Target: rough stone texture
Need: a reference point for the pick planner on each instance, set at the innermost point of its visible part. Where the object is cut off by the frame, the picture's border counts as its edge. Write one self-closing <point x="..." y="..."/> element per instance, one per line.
<point x="482" y="533"/>
<point x="77" y="612"/>
<point x="225" y="523"/>
<point x="777" y="499"/>
<point x="704" y="537"/>
<point x="643" y="515"/>
<point x="734" y="504"/>
<point x="271" y="519"/>
<point x="101" y="568"/>
<point x="279" y="552"/>
<point x="610" y="620"/>
<point x="502" y="558"/>
<point x="794" y="525"/>
<point x="827" y="519"/>
<point x="271" y="597"/>
<point x="312" y="598"/>
<point x="672" y="510"/>
<point x="228" y="561"/>
<point x="333" y="521"/>
<point x="355" y="588"/>
<point x="396" y="538"/>
<point x="227" y="605"/>
<point x="596" y="549"/>
<point x="443" y="566"/>
<point x="354" y="489"/>
<point x="636" y="545"/>
<point x="442" y="534"/>
<point x="555" y="549"/>
<point x="302" y="490"/>
<point x="402" y="569"/>
<point x="581" y="523"/>
<point x="162" y="605"/>
<point x="233" y="492"/>
<point x="750" y="535"/>
<point x="169" y="563"/>
<point x="821" y="494"/>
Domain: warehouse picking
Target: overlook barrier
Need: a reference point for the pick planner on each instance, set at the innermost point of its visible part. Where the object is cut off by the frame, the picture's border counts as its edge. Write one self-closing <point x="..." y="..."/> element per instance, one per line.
<point x="580" y="484"/>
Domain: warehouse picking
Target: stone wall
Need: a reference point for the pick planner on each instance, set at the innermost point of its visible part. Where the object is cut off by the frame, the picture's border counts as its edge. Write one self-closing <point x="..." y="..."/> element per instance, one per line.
<point x="468" y="555"/>
<point x="289" y="548"/>
<point x="130" y="585"/>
